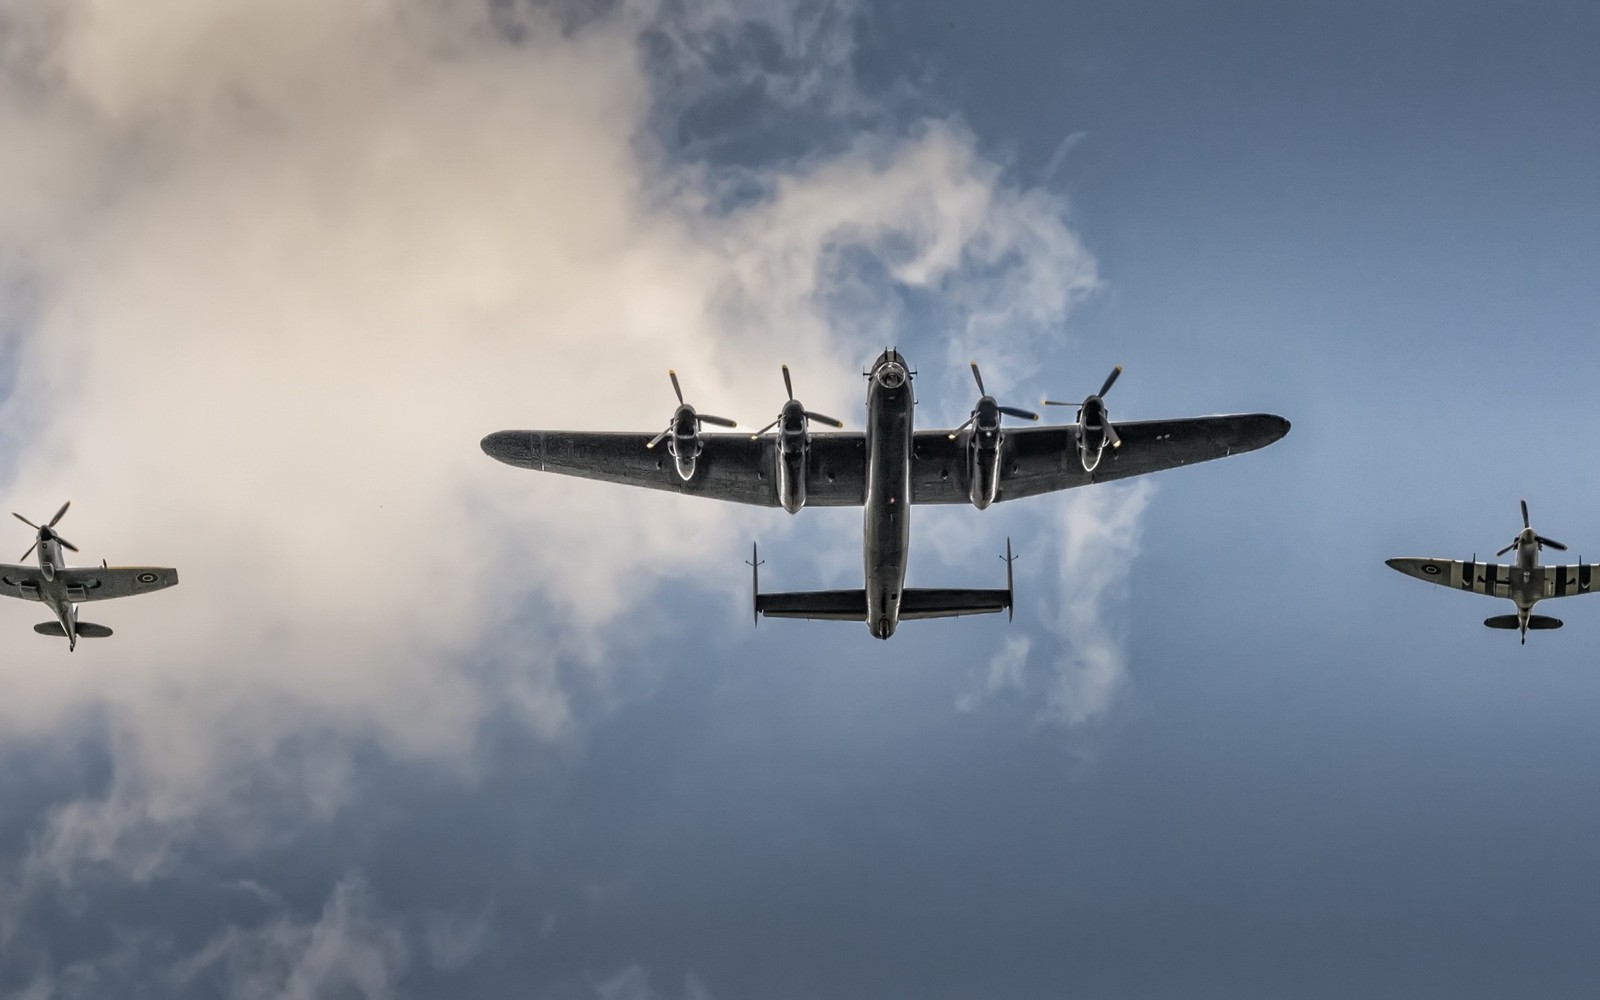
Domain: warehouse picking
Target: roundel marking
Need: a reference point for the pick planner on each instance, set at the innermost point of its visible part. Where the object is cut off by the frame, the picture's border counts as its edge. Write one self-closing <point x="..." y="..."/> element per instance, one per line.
<point x="1430" y="569"/>
<point x="147" y="578"/>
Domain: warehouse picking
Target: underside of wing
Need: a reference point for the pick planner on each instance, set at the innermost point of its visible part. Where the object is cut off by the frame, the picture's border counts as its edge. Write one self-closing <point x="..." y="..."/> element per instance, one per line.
<point x="1037" y="460"/>
<point x="1497" y="580"/>
<point x="731" y="467"/>
<point x="100" y="583"/>
<point x="21" y="581"/>
<point x="1569" y="580"/>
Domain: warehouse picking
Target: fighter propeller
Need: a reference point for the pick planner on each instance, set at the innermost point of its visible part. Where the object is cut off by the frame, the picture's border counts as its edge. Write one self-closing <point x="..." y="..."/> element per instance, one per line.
<point x="686" y="420"/>
<point x="985" y="418"/>
<point x="1527" y="536"/>
<point x="46" y="531"/>
<point x="792" y="413"/>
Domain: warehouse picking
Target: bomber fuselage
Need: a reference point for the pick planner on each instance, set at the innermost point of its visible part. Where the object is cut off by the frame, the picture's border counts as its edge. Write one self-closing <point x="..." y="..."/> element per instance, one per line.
<point x="886" y="524"/>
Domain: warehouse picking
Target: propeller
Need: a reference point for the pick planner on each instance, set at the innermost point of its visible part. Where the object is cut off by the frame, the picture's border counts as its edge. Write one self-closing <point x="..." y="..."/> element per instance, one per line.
<point x="699" y="418"/>
<point x="1528" y="533"/>
<point x="1097" y="400"/>
<point x="46" y="531"/>
<point x="987" y="407"/>
<point x="788" y="387"/>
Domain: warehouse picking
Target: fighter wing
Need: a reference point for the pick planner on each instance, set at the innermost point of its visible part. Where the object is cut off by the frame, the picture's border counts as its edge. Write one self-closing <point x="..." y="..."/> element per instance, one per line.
<point x="21" y="581"/>
<point x="1038" y="460"/>
<point x="731" y="467"/>
<point x="99" y="583"/>
<point x="1496" y="580"/>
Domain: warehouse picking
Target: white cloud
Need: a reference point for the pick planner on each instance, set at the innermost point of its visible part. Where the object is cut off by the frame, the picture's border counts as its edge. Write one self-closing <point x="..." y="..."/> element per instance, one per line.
<point x="352" y="949"/>
<point x="278" y="267"/>
<point x="1095" y="537"/>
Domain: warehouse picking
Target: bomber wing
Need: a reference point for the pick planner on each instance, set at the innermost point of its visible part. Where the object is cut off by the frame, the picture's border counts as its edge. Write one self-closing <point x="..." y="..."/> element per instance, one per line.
<point x="1496" y="580"/>
<point x="730" y="467"/>
<point x="1037" y="460"/>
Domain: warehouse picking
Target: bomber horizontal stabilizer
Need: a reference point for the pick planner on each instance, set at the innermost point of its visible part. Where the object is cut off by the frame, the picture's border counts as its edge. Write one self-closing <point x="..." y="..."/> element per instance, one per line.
<point x="1534" y="622"/>
<point x="851" y="605"/>
<point x="86" y="630"/>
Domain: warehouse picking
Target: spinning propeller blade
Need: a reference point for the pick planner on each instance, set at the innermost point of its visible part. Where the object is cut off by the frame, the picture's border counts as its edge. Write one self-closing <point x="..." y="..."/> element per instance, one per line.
<point x="675" y="386"/>
<point x="1550" y="543"/>
<point x="1012" y="411"/>
<point x="46" y="530"/>
<point x="1525" y="523"/>
<point x="1508" y="548"/>
<point x="788" y="388"/>
<point x="1110" y="380"/>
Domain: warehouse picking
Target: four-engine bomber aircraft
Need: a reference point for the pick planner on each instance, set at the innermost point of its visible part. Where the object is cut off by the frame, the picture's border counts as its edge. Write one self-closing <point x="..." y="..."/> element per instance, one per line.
<point x="1527" y="583"/>
<point x="885" y="470"/>
<point x="59" y="585"/>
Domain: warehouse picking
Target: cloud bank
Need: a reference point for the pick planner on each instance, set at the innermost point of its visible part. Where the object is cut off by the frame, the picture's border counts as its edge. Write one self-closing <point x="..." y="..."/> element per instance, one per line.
<point x="271" y="270"/>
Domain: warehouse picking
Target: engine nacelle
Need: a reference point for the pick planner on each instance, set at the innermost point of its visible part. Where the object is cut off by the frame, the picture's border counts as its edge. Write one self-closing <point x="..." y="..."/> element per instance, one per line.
<point x="983" y="454"/>
<point x="684" y="444"/>
<point x="983" y="475"/>
<point x="794" y="456"/>
<point x="1092" y="433"/>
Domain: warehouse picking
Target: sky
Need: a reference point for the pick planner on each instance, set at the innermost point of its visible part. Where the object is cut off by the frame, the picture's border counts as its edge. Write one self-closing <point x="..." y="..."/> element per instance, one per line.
<point x="416" y="724"/>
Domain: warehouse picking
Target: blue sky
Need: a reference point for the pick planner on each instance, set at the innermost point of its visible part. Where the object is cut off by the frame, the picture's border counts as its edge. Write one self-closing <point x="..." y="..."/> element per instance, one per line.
<point x="419" y="725"/>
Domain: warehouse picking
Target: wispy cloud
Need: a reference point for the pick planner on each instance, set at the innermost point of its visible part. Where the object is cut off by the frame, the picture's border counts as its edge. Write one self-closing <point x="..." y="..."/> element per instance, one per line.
<point x="1093" y="538"/>
<point x="280" y="266"/>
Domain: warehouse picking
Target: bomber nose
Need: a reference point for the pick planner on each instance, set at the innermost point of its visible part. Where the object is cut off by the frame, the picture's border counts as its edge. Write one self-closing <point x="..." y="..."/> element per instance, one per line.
<point x="891" y="375"/>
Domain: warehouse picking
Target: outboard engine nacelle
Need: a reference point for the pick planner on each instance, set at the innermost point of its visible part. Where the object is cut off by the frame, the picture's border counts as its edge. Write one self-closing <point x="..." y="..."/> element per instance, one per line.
<point x="683" y="433"/>
<point x="1094" y="425"/>
<point x="684" y="445"/>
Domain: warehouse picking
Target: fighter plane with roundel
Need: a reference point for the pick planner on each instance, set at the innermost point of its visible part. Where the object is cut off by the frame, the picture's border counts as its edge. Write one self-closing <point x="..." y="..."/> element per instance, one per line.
<point x="885" y="469"/>
<point x="1525" y="582"/>
<point x="60" y="586"/>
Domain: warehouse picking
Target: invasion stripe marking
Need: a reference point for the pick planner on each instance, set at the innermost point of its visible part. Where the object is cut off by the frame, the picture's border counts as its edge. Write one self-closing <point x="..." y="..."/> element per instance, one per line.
<point x="1584" y="570"/>
<point x="1561" y="580"/>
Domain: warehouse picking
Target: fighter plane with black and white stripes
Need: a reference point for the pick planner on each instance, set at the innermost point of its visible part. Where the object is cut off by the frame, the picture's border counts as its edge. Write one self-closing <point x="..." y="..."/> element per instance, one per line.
<point x="60" y="586"/>
<point x="885" y="470"/>
<point x="1526" y="582"/>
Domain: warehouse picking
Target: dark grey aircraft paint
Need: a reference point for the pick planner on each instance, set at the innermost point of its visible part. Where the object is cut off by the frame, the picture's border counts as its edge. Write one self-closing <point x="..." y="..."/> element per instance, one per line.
<point x="886" y="470"/>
